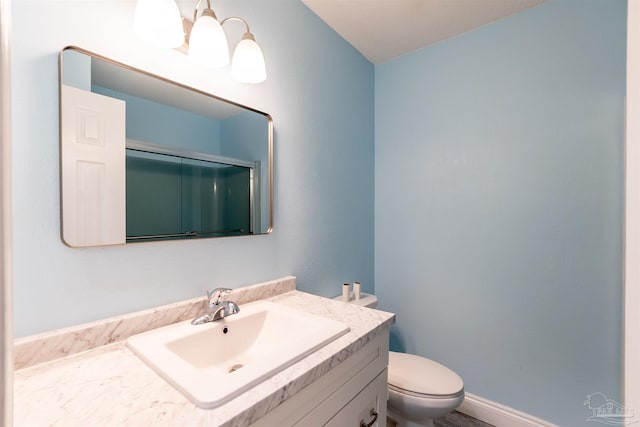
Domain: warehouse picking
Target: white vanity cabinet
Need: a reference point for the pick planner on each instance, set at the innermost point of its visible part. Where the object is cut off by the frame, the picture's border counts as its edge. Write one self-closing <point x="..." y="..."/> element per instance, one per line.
<point x="354" y="391"/>
<point x="367" y="408"/>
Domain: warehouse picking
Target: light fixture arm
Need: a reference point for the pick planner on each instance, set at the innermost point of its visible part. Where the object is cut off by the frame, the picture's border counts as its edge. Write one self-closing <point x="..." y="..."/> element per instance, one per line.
<point x="195" y="11"/>
<point x="208" y="11"/>
<point x="235" y="18"/>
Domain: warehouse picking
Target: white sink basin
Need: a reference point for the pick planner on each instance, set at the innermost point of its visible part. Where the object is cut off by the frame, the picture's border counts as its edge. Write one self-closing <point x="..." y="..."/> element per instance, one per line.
<point x="214" y="362"/>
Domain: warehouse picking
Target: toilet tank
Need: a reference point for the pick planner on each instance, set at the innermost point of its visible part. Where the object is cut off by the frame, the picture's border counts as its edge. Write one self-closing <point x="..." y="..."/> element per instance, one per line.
<point x="366" y="300"/>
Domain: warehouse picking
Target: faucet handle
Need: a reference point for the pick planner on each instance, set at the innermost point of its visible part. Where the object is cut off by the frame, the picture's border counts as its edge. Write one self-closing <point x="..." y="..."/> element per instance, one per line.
<point x="216" y="295"/>
<point x="230" y="307"/>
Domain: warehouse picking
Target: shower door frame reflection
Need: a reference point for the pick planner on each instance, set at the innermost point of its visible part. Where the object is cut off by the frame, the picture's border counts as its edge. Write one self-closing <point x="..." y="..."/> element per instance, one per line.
<point x="189" y="227"/>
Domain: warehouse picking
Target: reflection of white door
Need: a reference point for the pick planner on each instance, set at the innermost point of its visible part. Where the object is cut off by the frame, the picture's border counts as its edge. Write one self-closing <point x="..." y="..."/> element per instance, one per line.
<point x="93" y="168"/>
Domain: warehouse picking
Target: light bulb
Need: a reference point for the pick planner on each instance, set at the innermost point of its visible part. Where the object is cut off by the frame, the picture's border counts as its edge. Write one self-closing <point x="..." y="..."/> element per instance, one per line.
<point x="159" y="23"/>
<point x="248" y="61"/>
<point x="207" y="43"/>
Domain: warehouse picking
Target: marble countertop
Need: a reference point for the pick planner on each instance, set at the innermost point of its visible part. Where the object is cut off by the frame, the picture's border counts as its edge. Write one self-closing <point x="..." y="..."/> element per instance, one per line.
<point x="109" y="385"/>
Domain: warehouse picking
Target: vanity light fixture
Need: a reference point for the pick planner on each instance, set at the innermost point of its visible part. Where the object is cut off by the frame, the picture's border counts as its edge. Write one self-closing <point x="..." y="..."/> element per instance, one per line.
<point x="158" y="22"/>
<point x="203" y="40"/>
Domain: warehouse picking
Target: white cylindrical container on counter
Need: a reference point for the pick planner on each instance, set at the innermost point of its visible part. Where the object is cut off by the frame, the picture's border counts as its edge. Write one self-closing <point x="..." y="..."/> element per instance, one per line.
<point x="356" y="290"/>
<point x="345" y="292"/>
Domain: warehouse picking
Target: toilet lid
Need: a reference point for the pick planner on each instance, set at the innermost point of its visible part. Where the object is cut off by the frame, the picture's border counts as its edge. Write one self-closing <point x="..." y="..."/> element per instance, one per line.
<point x="420" y="376"/>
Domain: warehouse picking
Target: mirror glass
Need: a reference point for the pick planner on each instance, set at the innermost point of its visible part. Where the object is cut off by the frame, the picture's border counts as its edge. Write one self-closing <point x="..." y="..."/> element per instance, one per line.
<point x="146" y="159"/>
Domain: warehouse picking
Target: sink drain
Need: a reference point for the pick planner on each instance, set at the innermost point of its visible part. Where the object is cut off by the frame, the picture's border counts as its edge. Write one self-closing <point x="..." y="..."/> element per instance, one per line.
<point x="235" y="367"/>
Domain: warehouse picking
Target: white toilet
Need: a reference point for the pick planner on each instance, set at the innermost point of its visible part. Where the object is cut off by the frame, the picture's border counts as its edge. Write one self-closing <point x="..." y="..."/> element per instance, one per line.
<point x="419" y="389"/>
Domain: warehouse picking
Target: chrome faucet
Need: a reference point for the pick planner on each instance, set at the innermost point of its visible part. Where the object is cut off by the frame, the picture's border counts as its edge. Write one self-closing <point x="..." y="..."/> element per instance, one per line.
<point x="218" y="309"/>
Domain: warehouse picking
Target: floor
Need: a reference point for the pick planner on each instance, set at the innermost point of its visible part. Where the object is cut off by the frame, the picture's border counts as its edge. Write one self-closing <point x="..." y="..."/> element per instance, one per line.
<point x="458" y="419"/>
<point x="454" y="419"/>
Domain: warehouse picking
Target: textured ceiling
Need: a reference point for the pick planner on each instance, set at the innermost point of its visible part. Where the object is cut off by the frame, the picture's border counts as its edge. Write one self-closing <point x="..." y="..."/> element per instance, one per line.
<point x="385" y="29"/>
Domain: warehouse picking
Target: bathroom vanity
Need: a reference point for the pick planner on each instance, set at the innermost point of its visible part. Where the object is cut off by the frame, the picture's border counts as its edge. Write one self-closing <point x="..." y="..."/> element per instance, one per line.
<point x="99" y="381"/>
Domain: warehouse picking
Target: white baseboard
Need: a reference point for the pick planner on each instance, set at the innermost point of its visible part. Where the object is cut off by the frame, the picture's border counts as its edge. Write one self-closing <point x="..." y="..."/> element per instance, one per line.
<point x="497" y="414"/>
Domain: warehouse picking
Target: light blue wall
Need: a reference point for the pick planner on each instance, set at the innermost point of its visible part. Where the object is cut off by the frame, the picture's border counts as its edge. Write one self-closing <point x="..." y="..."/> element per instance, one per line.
<point x="499" y="205"/>
<point x="153" y="122"/>
<point x="323" y="165"/>
<point x="240" y="135"/>
<point x="77" y="71"/>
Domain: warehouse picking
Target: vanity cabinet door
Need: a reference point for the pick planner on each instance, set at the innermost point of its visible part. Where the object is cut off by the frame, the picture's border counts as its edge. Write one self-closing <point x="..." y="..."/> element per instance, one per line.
<point x="367" y="408"/>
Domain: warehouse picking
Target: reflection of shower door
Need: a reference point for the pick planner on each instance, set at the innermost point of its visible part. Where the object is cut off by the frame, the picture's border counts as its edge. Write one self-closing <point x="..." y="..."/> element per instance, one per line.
<point x="225" y="200"/>
<point x="93" y="168"/>
<point x="171" y="197"/>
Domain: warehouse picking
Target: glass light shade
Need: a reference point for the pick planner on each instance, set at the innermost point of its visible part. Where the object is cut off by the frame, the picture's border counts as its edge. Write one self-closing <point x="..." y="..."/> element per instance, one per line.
<point x="248" y="62"/>
<point x="159" y="23"/>
<point x="208" y="44"/>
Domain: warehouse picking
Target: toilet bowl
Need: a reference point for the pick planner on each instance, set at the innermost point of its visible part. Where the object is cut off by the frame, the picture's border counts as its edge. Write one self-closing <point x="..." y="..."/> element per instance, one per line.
<point x="419" y="389"/>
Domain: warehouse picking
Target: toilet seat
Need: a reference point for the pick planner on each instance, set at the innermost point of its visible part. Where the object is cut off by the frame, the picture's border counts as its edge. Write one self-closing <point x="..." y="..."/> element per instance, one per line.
<point x="423" y="378"/>
<point x="424" y="395"/>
